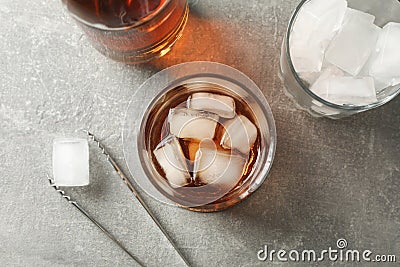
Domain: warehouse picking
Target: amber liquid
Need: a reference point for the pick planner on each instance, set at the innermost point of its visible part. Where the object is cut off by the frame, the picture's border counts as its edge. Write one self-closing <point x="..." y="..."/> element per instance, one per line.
<point x="113" y="13"/>
<point x="157" y="129"/>
<point x="130" y="30"/>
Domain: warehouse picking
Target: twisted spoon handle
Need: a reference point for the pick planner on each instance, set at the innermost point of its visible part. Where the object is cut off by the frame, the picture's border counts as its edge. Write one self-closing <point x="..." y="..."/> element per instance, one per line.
<point x="135" y="193"/>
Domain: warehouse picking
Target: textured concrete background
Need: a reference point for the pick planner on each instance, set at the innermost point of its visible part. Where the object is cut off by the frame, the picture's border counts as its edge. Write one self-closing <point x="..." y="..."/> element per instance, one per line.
<point x="330" y="179"/>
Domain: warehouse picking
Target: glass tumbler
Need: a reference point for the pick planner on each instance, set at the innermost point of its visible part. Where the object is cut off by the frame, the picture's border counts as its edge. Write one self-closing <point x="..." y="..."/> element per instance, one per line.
<point x="299" y="90"/>
<point x="148" y="116"/>
<point x="130" y="31"/>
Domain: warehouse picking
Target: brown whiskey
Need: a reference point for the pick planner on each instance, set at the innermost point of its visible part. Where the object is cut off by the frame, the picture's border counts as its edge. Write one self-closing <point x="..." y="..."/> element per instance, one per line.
<point x="199" y="186"/>
<point x="131" y="31"/>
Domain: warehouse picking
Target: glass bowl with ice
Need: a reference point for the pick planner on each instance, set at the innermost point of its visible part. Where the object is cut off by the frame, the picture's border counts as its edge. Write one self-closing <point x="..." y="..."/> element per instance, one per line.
<point x="341" y="57"/>
<point x="199" y="135"/>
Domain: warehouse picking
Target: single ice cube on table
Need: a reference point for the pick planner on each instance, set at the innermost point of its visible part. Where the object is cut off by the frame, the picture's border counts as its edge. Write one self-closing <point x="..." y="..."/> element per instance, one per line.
<point x="71" y="162"/>
<point x="191" y="123"/>
<point x="384" y="64"/>
<point x="218" y="167"/>
<point x="347" y="90"/>
<point x="223" y="106"/>
<point x="170" y="157"/>
<point x="314" y="27"/>
<point x="353" y="45"/>
<point x="240" y="133"/>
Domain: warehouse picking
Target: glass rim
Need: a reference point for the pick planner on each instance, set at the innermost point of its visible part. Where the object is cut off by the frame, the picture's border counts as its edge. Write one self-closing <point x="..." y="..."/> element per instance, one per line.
<point x="307" y="89"/>
<point x="141" y="22"/>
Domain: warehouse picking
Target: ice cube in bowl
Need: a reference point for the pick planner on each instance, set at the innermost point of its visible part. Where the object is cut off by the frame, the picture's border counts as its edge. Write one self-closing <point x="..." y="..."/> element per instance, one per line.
<point x="353" y="45"/>
<point x="351" y="13"/>
<point x="384" y="64"/>
<point x="316" y="24"/>
<point x="343" y="90"/>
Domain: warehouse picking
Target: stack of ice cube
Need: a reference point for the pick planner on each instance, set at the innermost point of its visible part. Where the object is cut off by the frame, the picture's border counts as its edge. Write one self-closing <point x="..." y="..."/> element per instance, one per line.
<point x="222" y="163"/>
<point x="342" y="54"/>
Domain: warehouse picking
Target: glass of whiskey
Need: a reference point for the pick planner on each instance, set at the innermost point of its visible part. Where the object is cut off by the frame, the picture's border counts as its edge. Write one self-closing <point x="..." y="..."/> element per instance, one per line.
<point x="199" y="135"/>
<point x="131" y="31"/>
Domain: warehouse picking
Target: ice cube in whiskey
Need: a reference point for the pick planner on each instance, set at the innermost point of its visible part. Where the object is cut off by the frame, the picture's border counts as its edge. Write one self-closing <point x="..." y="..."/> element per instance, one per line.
<point x="216" y="141"/>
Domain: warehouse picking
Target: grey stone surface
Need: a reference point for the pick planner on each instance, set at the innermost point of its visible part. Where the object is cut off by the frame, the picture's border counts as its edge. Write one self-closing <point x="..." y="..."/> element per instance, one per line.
<point x="330" y="179"/>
